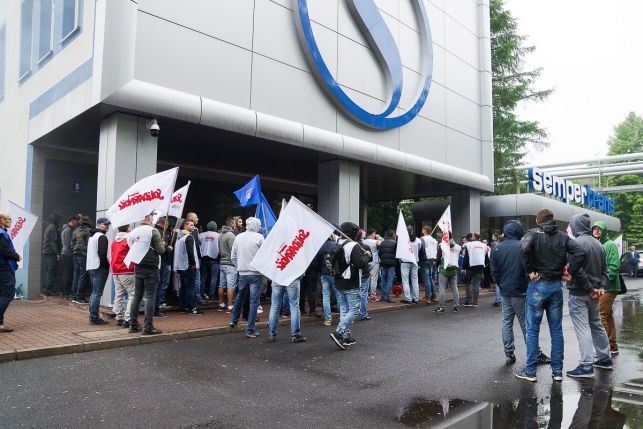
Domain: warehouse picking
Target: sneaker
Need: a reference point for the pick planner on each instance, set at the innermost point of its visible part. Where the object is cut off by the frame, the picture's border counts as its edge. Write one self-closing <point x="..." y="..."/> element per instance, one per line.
<point x="349" y="341"/>
<point x="338" y="340"/>
<point x="456" y="309"/>
<point x="404" y="301"/>
<point x="414" y="301"/>
<point x="80" y="301"/>
<point x="297" y="338"/>
<point x="581" y="372"/>
<point x="614" y="350"/>
<point x="125" y="324"/>
<point x="134" y="328"/>
<point x="496" y="304"/>
<point x="522" y="375"/>
<point x="604" y="363"/>
<point x="232" y="325"/>
<point x="253" y="334"/>
<point x="366" y="318"/>
<point x="511" y="359"/>
<point x="195" y="311"/>
<point x="467" y="305"/>
<point x="475" y="306"/>
<point x="164" y="306"/>
<point x="98" y="322"/>
<point x="151" y="331"/>
<point x="221" y="307"/>
<point x="328" y="322"/>
<point x="161" y="315"/>
<point x="439" y="310"/>
<point x="543" y="359"/>
<point x="425" y="299"/>
<point x="206" y="297"/>
<point x="119" y="322"/>
<point x="557" y="376"/>
<point x="272" y="338"/>
<point x="229" y="310"/>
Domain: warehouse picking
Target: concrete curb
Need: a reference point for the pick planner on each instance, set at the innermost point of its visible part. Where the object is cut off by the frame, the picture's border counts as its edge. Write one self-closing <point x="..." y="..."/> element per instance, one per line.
<point x="91" y="346"/>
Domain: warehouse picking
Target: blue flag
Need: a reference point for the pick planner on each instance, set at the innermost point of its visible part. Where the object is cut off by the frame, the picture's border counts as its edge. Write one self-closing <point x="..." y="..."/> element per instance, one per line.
<point x="250" y="193"/>
<point x="265" y="214"/>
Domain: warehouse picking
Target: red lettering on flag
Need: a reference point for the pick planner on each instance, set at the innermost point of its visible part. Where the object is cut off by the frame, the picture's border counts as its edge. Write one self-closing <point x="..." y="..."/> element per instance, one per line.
<point x="138" y="198"/>
<point x="17" y="227"/>
<point x="178" y="198"/>
<point x="287" y="252"/>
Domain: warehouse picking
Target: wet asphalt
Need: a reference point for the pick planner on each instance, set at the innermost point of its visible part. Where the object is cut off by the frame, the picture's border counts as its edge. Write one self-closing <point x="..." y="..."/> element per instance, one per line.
<point x="401" y="359"/>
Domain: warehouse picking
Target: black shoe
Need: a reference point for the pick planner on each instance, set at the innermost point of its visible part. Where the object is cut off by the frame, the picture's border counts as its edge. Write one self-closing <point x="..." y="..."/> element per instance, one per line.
<point x="232" y="325"/>
<point x="467" y="305"/>
<point x="81" y="301"/>
<point x="119" y="322"/>
<point x="273" y="338"/>
<point x="151" y="331"/>
<point x="196" y="312"/>
<point x="511" y="359"/>
<point x="439" y="310"/>
<point x="349" y="341"/>
<point x="496" y="304"/>
<point x="366" y="318"/>
<point x="202" y="302"/>
<point x="125" y="324"/>
<point x="98" y="322"/>
<point x="134" y="329"/>
<point x="161" y="315"/>
<point x="456" y="309"/>
<point x="543" y="359"/>
<point x="414" y="301"/>
<point x="406" y="302"/>
<point x="338" y="340"/>
<point x="298" y="338"/>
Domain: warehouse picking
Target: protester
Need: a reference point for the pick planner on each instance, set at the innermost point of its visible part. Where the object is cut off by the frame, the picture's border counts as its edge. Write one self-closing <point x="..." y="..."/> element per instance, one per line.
<point x="510" y="277"/>
<point x="308" y="288"/>
<point x="427" y="264"/>
<point x="492" y="245"/>
<point x="606" y="301"/>
<point x="50" y="256"/>
<point x="544" y="255"/>
<point x="374" y="266"/>
<point x="245" y="246"/>
<point x="146" y="246"/>
<point x="97" y="268"/>
<point x="278" y="292"/>
<point x="327" y="277"/>
<point x="164" y="226"/>
<point x="67" y="260"/>
<point x="584" y="293"/>
<point x="387" y="262"/>
<point x="228" y="276"/>
<point x="9" y="259"/>
<point x="475" y="260"/>
<point x="123" y="276"/>
<point x="79" y="240"/>
<point x="210" y="260"/>
<point x="186" y="263"/>
<point x="633" y="258"/>
<point x="448" y="274"/>
<point x="365" y="280"/>
<point x="409" y="271"/>
<point x="198" y="293"/>
<point x="347" y="284"/>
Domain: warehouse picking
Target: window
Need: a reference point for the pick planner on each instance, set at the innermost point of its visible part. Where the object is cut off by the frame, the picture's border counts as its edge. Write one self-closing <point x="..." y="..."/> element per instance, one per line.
<point x="45" y="45"/>
<point x="70" y="18"/>
<point x="3" y="48"/>
<point x="26" y="14"/>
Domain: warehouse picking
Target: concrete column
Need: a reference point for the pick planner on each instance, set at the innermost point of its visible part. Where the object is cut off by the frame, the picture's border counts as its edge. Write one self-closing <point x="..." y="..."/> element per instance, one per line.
<point x="126" y="154"/>
<point x="29" y="277"/>
<point x="465" y="213"/>
<point x="338" y="196"/>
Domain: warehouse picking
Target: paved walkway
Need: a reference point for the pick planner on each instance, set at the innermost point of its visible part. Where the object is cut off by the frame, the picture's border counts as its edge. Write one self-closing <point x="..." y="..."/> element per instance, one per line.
<point x="53" y="326"/>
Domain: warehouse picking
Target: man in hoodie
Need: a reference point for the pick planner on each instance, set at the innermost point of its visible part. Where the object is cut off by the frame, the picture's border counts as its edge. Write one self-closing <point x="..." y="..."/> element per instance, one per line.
<point x="409" y="271"/>
<point x="79" y="239"/>
<point x="50" y="256"/>
<point x="245" y="246"/>
<point x="67" y="260"/>
<point x="98" y="268"/>
<point x="387" y="263"/>
<point x="210" y="259"/>
<point x="447" y="259"/>
<point x="544" y="255"/>
<point x="606" y="302"/>
<point x="584" y="293"/>
<point x="9" y="259"/>
<point x="198" y="293"/>
<point x="510" y="277"/>
<point x="186" y="263"/>
<point x="228" y="275"/>
<point x="123" y="276"/>
<point x="476" y="259"/>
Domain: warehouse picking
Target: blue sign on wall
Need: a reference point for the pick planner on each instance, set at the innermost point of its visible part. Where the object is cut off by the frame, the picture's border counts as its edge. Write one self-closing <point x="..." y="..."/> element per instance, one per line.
<point x="379" y="37"/>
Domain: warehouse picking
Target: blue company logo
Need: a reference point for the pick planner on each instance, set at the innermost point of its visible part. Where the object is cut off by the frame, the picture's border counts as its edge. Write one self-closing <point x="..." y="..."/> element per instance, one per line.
<point x="372" y="25"/>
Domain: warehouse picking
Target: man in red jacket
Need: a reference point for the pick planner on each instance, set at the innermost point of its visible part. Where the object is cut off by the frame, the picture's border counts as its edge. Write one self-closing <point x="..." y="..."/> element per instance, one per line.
<point x="123" y="276"/>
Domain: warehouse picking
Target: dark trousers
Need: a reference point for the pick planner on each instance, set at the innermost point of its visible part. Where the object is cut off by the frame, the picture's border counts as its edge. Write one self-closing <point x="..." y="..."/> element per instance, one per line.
<point x="186" y="293"/>
<point x="309" y="291"/>
<point x="146" y="280"/>
<point x="7" y="291"/>
<point x="67" y="274"/>
<point x="49" y="268"/>
<point x="79" y="282"/>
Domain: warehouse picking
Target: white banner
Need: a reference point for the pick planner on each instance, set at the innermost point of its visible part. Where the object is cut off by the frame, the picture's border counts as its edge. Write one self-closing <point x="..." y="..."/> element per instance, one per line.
<point x="151" y="193"/>
<point x="404" y="250"/>
<point x="22" y="223"/>
<point x="292" y="243"/>
<point x="176" y="205"/>
<point x="445" y="225"/>
<point x="619" y="243"/>
<point x="569" y="232"/>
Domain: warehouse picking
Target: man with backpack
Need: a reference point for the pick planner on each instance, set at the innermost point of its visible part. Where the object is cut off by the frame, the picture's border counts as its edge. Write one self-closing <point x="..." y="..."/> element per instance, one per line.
<point x="347" y="259"/>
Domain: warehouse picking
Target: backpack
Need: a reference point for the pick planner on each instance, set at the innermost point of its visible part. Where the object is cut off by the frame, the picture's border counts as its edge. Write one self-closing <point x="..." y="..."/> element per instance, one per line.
<point x="333" y="259"/>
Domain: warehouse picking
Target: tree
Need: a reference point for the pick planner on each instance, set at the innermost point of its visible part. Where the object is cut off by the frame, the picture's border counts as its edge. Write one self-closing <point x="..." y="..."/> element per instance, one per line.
<point x="510" y="86"/>
<point x="628" y="138"/>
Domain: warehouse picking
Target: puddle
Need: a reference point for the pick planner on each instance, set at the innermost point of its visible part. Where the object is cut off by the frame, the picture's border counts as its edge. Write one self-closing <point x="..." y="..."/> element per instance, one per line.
<point x="455" y="413"/>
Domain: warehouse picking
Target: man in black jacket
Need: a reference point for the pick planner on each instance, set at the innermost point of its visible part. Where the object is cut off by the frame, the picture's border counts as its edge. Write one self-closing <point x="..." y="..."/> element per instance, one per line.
<point x="387" y="264"/>
<point x="8" y="264"/>
<point x="67" y="260"/>
<point x="544" y="256"/>
<point x="50" y="256"/>
<point x="97" y="268"/>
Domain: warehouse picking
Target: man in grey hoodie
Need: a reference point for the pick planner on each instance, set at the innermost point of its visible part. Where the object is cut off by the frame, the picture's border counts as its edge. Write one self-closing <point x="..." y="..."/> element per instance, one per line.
<point x="228" y="275"/>
<point x="244" y="249"/>
<point x="67" y="266"/>
<point x="584" y="294"/>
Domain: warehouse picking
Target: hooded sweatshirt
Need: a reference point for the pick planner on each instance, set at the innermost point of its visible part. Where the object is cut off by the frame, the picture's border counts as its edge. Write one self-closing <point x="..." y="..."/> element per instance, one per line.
<point x="612" y="256"/>
<point x="506" y="262"/>
<point x="119" y="251"/>
<point x="593" y="274"/>
<point x="226" y="240"/>
<point x="246" y="246"/>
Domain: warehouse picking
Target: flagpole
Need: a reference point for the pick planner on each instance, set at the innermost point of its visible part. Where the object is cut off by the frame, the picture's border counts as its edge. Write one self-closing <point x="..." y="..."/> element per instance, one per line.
<point x="167" y="212"/>
<point x="263" y="211"/>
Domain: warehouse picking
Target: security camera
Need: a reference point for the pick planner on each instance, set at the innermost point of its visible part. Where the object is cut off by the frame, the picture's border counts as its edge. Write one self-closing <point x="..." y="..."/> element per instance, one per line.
<point x="153" y="126"/>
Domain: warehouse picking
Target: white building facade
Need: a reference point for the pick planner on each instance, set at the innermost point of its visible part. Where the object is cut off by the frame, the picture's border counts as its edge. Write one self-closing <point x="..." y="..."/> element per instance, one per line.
<point x="279" y="88"/>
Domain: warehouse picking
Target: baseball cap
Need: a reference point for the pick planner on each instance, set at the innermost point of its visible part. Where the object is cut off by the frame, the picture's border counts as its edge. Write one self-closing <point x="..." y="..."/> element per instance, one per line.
<point x="102" y="221"/>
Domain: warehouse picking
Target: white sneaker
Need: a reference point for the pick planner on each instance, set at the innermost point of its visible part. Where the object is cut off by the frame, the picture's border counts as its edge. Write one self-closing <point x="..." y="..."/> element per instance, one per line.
<point x="259" y="310"/>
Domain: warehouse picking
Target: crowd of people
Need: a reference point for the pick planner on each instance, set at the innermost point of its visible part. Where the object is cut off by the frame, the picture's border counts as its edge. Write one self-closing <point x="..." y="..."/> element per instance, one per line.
<point x="354" y="266"/>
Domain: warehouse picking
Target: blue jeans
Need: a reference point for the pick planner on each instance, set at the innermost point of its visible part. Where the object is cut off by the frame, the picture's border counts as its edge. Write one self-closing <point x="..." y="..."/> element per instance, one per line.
<point x="348" y="301"/>
<point x="446" y="282"/>
<point x="328" y="285"/>
<point x="473" y="288"/>
<point x="164" y="281"/>
<point x="544" y="296"/>
<point x="278" y="292"/>
<point x="228" y="277"/>
<point x="197" y="285"/>
<point x="409" y="272"/>
<point x="209" y="268"/>
<point x="512" y="306"/>
<point x="98" y="277"/>
<point x="186" y="293"/>
<point x="386" y="277"/>
<point x="498" y="296"/>
<point x="634" y="270"/>
<point x="80" y="276"/>
<point x="426" y="269"/>
<point x="364" y="289"/>
<point x="252" y="282"/>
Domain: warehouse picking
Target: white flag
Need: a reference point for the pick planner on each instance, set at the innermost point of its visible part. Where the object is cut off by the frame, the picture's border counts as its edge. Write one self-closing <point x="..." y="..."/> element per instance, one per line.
<point x="619" y="243"/>
<point x="292" y="243"/>
<point x="404" y="250"/>
<point x="445" y="225"/>
<point x="151" y="193"/>
<point x="177" y="204"/>
<point x="22" y="223"/>
<point x="569" y="232"/>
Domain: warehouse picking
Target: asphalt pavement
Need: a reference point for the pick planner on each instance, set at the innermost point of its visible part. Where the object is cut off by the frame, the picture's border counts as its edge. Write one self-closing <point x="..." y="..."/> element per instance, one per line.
<point x="406" y="367"/>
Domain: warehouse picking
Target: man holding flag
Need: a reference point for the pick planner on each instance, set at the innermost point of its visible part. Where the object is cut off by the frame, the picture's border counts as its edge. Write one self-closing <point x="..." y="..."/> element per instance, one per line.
<point x="447" y="259"/>
<point x="407" y="252"/>
<point x="9" y="259"/>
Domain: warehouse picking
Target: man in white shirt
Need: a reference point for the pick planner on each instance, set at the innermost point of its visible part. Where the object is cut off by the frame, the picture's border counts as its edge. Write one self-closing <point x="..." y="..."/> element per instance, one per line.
<point x="476" y="258"/>
<point x="373" y="244"/>
<point x="427" y="264"/>
<point x="409" y="272"/>
<point x="210" y="259"/>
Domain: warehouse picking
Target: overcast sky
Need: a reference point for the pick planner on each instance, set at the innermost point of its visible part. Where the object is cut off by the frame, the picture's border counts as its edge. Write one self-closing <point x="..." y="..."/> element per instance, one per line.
<point x="592" y="56"/>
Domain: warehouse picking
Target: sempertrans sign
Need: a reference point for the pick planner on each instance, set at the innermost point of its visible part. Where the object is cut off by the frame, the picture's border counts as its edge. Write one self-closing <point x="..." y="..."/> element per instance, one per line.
<point x="379" y="37"/>
<point x="568" y="191"/>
